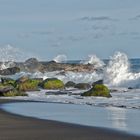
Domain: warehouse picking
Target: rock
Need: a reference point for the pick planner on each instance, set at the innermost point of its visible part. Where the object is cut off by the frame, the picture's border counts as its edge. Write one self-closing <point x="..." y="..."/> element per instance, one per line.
<point x="52" y="83"/>
<point x="22" y="79"/>
<point x="8" y="91"/>
<point x="28" y="85"/>
<point x="10" y="71"/>
<point x="70" y="84"/>
<point x="31" y="61"/>
<point x="98" y="90"/>
<point x="82" y="86"/>
<point x="4" y="89"/>
<point x="97" y="82"/>
<point x="113" y="90"/>
<point x="33" y="65"/>
<point x="56" y="93"/>
<point x="8" y="81"/>
<point x="130" y="88"/>
<point x="38" y="79"/>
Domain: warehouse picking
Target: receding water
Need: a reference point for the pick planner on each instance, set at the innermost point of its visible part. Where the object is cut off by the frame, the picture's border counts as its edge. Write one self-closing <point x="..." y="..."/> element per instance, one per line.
<point x="109" y="117"/>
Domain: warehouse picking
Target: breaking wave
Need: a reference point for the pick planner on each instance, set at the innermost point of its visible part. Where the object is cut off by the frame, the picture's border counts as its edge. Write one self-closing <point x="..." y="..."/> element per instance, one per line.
<point x="9" y="55"/>
<point x="117" y="72"/>
<point x="94" y="60"/>
<point x="60" y="58"/>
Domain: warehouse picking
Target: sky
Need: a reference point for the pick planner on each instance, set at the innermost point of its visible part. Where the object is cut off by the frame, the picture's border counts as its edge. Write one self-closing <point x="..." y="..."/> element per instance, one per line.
<point x="76" y="28"/>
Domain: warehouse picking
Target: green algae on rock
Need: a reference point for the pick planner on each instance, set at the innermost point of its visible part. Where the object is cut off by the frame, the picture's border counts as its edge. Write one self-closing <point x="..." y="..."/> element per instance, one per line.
<point x="98" y="90"/>
<point x="52" y="83"/>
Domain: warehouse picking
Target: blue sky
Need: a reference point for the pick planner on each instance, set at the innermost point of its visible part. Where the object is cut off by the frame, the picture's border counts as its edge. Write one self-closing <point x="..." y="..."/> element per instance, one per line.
<point x="76" y="28"/>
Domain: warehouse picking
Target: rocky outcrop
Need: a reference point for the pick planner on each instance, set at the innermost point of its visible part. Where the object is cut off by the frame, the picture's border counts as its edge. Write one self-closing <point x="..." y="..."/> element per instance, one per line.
<point x="33" y="65"/>
<point x="10" y="71"/>
<point x="53" y="66"/>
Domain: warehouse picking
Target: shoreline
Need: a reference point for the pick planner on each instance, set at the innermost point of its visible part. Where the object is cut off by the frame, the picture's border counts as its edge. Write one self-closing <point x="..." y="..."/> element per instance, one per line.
<point x="15" y="127"/>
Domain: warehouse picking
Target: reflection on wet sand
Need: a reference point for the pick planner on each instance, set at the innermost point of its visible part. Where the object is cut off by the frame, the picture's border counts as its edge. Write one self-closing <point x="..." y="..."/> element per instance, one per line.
<point x="117" y="117"/>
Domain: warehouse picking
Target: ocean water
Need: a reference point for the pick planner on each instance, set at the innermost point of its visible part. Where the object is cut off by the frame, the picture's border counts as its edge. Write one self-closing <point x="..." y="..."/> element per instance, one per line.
<point x="119" y="73"/>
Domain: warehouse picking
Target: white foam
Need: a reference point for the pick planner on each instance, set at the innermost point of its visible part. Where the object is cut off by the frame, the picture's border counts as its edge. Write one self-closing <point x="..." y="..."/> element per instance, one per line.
<point x="9" y="55"/>
<point x="94" y="60"/>
<point x="118" y="73"/>
<point x="60" y="58"/>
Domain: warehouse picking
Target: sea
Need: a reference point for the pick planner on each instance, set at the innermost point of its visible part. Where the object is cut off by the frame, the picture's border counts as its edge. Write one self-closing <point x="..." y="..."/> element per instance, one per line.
<point x="121" y="112"/>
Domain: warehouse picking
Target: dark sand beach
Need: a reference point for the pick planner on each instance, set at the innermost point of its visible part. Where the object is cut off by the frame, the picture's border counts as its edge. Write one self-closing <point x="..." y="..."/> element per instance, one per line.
<point x="15" y="127"/>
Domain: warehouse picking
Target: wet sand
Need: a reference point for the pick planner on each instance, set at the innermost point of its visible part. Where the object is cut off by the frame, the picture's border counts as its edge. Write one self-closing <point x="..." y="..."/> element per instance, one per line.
<point x="16" y="127"/>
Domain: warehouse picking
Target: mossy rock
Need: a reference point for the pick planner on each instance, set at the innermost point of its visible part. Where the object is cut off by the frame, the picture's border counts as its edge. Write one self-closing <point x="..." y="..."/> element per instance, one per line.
<point x="8" y="81"/>
<point x="52" y="83"/>
<point x="70" y="84"/>
<point x="14" y="93"/>
<point x="8" y="91"/>
<point x="98" y="90"/>
<point x="82" y="86"/>
<point x="22" y="79"/>
<point x="28" y="85"/>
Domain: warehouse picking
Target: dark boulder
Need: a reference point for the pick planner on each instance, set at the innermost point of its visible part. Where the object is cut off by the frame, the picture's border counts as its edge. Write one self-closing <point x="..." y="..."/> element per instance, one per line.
<point x="82" y="86"/>
<point x="70" y="84"/>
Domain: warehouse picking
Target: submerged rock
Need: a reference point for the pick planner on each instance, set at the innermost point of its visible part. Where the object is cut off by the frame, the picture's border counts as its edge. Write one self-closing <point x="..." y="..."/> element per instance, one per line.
<point x="57" y="93"/>
<point x="52" y="83"/>
<point x="98" y="90"/>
